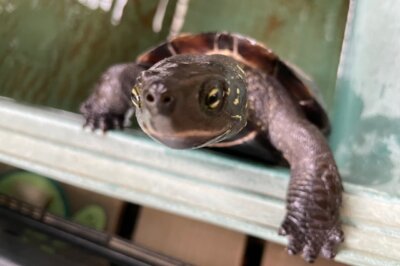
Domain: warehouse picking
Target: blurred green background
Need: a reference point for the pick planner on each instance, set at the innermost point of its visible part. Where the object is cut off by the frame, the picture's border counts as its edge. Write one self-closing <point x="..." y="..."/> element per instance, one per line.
<point x="52" y="52"/>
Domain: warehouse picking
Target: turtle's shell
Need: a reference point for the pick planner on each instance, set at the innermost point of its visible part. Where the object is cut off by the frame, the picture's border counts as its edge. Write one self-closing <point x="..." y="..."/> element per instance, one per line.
<point x="250" y="53"/>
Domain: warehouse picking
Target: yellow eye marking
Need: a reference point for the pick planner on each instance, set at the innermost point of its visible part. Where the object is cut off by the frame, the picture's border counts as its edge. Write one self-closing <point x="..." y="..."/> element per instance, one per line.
<point x="228" y="91"/>
<point x="214" y="104"/>
<point x="135" y="97"/>
<point x="241" y="70"/>
<point x="237" y="117"/>
<point x="213" y="93"/>
<point x="135" y="92"/>
<point x="236" y="101"/>
<point x="238" y="91"/>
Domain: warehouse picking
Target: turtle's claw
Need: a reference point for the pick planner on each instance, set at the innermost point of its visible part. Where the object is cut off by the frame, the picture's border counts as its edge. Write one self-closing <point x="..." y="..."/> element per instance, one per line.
<point x="104" y="122"/>
<point x="310" y="253"/>
<point x="296" y="239"/>
<point x="101" y="120"/>
<point x="329" y="249"/>
<point x="294" y="246"/>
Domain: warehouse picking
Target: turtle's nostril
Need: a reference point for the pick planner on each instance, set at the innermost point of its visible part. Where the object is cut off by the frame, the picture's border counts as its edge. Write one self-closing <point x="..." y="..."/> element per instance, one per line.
<point x="167" y="99"/>
<point x="165" y="104"/>
<point x="150" y="98"/>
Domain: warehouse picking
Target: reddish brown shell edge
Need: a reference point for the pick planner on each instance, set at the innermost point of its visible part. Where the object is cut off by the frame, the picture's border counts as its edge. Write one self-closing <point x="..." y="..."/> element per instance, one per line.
<point x="251" y="53"/>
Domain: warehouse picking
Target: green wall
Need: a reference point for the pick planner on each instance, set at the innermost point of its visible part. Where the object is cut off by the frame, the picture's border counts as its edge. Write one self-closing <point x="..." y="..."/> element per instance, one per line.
<point x="51" y="52"/>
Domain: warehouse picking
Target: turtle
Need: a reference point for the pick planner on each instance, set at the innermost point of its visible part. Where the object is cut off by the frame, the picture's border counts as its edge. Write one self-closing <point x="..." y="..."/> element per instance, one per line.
<point x="221" y="89"/>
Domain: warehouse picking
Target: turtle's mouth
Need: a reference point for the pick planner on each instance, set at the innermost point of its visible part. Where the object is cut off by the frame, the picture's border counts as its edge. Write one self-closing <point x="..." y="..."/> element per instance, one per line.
<point x="185" y="139"/>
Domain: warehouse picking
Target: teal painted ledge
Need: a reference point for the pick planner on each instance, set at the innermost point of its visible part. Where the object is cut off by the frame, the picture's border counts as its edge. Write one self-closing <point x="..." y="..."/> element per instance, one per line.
<point x="198" y="184"/>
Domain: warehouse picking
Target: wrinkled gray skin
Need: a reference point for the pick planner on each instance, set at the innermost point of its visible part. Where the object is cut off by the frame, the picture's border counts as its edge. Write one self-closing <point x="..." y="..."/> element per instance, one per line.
<point x="175" y="115"/>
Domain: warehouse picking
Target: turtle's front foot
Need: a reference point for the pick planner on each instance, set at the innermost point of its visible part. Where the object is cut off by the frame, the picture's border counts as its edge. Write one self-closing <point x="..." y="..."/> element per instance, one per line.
<point x="109" y="106"/>
<point x="96" y="118"/>
<point x="312" y="242"/>
<point x="312" y="222"/>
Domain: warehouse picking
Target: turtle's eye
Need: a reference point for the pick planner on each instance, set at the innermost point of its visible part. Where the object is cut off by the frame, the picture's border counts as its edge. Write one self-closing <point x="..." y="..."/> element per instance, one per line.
<point x="214" y="98"/>
<point x="212" y="95"/>
<point x="135" y="97"/>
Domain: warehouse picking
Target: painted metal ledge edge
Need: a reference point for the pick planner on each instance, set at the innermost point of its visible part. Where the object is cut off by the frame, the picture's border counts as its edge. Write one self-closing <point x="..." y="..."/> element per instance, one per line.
<point x="199" y="184"/>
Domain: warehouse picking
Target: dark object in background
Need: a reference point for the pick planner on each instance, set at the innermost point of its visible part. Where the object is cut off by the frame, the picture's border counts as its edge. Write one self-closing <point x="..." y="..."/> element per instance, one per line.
<point x="20" y="216"/>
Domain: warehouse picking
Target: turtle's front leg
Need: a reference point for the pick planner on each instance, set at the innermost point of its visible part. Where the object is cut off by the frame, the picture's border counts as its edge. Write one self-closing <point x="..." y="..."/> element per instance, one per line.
<point x="312" y="221"/>
<point x="108" y="105"/>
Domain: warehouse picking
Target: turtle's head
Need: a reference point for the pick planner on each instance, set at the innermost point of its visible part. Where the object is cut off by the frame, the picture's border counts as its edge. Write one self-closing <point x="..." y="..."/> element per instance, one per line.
<point x="190" y="101"/>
